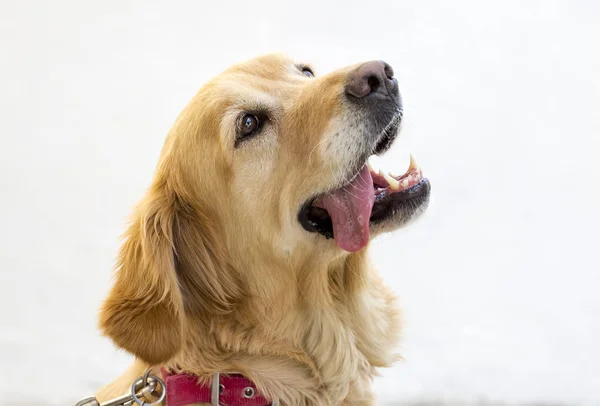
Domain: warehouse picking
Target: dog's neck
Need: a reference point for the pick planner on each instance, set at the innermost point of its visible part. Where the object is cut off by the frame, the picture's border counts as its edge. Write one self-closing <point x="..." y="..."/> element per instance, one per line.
<point x="317" y="272"/>
<point x="287" y="323"/>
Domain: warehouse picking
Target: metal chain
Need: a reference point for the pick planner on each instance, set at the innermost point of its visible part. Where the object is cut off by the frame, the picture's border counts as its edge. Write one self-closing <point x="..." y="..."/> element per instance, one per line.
<point x="141" y="388"/>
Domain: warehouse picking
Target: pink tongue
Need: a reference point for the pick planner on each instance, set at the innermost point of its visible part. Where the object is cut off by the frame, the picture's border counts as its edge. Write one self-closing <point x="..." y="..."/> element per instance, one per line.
<point x="350" y="210"/>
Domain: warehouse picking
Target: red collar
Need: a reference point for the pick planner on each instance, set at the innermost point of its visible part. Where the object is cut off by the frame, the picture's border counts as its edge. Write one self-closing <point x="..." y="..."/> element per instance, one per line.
<point x="230" y="390"/>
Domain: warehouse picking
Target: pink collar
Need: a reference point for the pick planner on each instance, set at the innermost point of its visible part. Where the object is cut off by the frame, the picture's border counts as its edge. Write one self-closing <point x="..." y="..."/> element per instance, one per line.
<point x="229" y="390"/>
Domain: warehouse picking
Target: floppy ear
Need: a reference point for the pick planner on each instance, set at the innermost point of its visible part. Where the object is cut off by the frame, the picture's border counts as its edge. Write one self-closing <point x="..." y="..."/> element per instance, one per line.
<point x="170" y="266"/>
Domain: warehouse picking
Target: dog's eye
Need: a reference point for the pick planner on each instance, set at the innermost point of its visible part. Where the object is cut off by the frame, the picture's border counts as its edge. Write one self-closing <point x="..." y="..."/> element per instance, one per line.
<point x="306" y="71"/>
<point x="248" y="125"/>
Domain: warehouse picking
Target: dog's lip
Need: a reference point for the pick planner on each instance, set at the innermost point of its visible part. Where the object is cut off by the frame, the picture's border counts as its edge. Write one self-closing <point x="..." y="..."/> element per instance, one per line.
<point x="382" y="201"/>
<point x="389" y="133"/>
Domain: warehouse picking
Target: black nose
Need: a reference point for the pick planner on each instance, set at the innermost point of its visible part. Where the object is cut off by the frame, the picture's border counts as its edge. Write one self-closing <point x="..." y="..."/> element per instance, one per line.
<point x="375" y="77"/>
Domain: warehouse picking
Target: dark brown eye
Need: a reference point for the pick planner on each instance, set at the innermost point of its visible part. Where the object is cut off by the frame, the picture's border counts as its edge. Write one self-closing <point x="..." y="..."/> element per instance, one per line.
<point x="306" y="71"/>
<point x="248" y="125"/>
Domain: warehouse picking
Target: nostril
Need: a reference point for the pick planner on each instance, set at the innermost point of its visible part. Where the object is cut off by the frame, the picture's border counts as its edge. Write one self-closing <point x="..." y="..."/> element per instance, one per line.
<point x="389" y="72"/>
<point x="374" y="83"/>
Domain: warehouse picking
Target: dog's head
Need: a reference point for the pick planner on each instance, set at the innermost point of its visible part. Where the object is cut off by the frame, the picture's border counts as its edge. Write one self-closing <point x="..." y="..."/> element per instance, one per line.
<point x="268" y="159"/>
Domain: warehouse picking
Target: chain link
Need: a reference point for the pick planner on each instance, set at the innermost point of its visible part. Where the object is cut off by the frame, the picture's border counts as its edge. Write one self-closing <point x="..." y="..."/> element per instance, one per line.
<point x="143" y="387"/>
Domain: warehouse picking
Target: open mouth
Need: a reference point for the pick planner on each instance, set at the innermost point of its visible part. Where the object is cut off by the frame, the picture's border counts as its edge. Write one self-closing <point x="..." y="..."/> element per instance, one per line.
<point x="371" y="197"/>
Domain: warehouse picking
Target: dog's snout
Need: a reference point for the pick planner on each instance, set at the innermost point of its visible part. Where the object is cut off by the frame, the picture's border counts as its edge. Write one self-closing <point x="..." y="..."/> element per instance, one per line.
<point x="375" y="77"/>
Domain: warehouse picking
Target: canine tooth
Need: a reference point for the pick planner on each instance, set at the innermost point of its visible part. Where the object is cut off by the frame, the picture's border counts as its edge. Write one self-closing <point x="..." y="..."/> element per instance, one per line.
<point x="394" y="184"/>
<point x="374" y="164"/>
<point x="413" y="163"/>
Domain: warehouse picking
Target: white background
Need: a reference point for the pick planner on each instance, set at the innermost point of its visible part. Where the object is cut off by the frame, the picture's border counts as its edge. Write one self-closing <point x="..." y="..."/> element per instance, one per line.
<point x="499" y="281"/>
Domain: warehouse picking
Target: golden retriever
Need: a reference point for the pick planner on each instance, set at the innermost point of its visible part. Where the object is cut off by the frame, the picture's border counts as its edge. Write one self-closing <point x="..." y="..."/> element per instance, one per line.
<point x="249" y="251"/>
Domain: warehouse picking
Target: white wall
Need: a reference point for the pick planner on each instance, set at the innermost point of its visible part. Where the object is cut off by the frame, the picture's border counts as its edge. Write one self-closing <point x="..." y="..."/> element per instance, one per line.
<point x="499" y="280"/>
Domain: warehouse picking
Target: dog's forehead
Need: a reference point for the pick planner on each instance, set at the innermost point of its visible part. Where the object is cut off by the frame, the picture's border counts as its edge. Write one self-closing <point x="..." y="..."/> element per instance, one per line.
<point x="275" y="75"/>
<point x="271" y="66"/>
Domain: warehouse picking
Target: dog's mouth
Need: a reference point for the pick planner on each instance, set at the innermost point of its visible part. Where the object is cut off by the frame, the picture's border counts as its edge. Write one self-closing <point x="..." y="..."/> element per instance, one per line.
<point x="372" y="196"/>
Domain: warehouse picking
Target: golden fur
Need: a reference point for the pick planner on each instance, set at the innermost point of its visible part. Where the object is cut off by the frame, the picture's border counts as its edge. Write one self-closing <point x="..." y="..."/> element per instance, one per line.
<point x="216" y="275"/>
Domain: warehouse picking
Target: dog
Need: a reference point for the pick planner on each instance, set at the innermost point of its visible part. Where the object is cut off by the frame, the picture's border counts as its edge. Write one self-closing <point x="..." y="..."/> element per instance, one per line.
<point x="248" y="253"/>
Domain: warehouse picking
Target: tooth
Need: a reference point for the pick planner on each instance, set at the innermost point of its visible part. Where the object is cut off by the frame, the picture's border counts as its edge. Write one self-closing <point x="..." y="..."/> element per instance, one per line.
<point x="413" y="163"/>
<point x="394" y="184"/>
<point x="374" y="165"/>
<point x="405" y="183"/>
